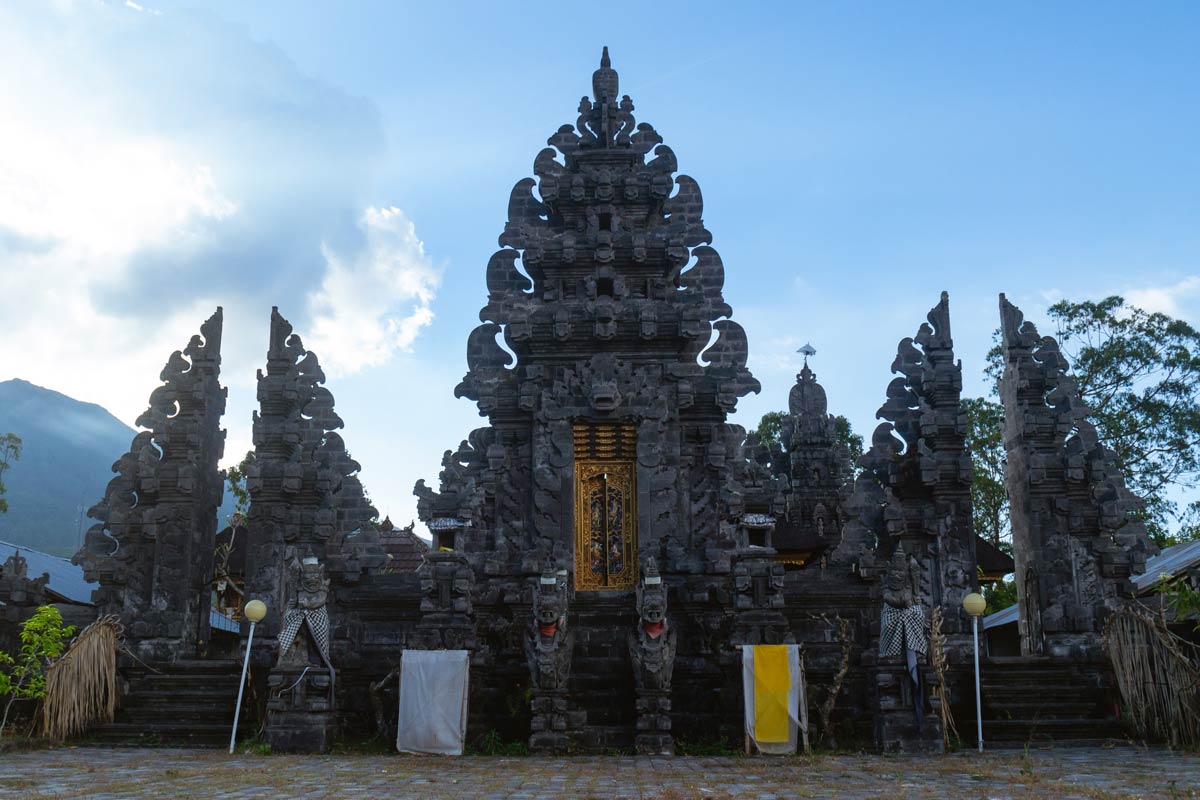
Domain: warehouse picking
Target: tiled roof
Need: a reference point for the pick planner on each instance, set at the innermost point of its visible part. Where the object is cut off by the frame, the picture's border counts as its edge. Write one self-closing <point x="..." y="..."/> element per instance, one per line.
<point x="405" y="547"/>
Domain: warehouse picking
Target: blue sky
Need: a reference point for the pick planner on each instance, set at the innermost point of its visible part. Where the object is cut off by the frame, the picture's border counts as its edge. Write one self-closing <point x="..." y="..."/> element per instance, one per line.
<point x="351" y="163"/>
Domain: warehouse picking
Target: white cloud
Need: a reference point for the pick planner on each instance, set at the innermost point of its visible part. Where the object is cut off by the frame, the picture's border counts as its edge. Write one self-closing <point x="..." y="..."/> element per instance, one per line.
<point x="1165" y="299"/>
<point x="376" y="301"/>
<point x="153" y="167"/>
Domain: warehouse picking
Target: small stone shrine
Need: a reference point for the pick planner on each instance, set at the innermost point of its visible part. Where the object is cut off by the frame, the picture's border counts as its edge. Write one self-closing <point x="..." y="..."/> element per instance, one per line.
<point x="606" y="541"/>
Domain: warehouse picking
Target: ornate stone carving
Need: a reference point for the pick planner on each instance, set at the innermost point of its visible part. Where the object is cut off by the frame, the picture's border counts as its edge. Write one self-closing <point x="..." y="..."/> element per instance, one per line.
<point x="302" y="699"/>
<point x="602" y="305"/>
<point x="901" y="723"/>
<point x="915" y="485"/>
<point x="652" y="653"/>
<point x="304" y="487"/>
<point x="548" y="648"/>
<point x="447" y="582"/>
<point x="151" y="551"/>
<point x="1076" y="536"/>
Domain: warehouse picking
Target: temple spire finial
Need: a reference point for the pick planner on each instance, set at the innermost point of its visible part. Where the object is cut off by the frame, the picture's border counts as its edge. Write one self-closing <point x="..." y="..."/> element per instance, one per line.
<point x="604" y="81"/>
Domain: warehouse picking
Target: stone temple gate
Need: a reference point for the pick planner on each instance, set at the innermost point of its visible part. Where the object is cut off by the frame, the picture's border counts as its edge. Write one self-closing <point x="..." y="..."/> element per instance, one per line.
<point x="606" y="541"/>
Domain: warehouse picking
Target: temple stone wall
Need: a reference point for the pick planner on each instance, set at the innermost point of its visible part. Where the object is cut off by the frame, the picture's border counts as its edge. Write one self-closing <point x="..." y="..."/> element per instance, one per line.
<point x="607" y="539"/>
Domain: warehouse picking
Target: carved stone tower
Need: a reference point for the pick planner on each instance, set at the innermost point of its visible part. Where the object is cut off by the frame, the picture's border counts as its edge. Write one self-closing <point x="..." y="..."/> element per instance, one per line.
<point x="607" y="405"/>
<point x="1076" y="540"/>
<point x="152" y="551"/>
<point x="305" y="494"/>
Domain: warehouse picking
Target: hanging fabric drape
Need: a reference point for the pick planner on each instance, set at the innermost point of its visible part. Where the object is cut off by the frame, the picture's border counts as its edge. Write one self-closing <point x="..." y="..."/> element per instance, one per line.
<point x="773" y="688"/>
<point x="433" y="702"/>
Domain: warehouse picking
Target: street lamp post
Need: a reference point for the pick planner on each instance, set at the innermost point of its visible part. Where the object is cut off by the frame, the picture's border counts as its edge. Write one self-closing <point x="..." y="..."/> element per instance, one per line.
<point x="255" y="610"/>
<point x="974" y="604"/>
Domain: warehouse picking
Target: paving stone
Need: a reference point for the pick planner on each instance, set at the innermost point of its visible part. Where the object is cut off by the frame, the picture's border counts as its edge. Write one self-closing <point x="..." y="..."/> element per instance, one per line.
<point x="177" y="774"/>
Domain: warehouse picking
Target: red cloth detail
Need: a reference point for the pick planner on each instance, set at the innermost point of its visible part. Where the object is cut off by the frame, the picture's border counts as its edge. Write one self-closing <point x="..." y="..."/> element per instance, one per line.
<point x="548" y="630"/>
<point x="654" y="629"/>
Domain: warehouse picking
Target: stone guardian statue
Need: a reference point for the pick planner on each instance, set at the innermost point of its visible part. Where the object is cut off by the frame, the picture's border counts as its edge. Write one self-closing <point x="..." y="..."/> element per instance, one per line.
<point x="652" y="654"/>
<point x="903" y="629"/>
<point x="548" y="647"/>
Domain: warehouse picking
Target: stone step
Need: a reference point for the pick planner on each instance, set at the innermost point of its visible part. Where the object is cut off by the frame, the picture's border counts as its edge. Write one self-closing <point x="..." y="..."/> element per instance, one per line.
<point x="185" y="703"/>
<point x="191" y="734"/>
<point x="1023" y="729"/>
<point x="602" y="738"/>
<point x="183" y="668"/>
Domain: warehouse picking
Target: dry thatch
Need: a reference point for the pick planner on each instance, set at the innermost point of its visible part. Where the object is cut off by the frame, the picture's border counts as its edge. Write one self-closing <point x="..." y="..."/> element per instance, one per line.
<point x="937" y="641"/>
<point x="1158" y="675"/>
<point x="82" y="686"/>
<point x="825" y="710"/>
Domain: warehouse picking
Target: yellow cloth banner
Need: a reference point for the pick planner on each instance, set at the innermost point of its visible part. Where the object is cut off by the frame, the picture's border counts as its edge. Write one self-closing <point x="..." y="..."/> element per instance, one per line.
<point x="772" y="680"/>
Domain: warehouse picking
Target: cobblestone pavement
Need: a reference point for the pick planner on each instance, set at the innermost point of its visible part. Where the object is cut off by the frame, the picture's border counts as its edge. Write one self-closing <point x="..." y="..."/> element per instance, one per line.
<point x="109" y="774"/>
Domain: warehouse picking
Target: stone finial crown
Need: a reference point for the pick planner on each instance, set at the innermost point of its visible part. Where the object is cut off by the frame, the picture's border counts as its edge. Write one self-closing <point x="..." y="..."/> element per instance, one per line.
<point x="605" y="82"/>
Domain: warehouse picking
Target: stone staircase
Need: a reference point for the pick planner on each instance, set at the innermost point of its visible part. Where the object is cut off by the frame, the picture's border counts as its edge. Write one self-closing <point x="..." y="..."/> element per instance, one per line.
<point x="602" y="679"/>
<point x="1039" y="701"/>
<point x="187" y="703"/>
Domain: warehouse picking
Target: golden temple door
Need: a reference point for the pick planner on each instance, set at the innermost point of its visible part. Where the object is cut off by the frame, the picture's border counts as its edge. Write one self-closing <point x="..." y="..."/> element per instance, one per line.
<point x="606" y="554"/>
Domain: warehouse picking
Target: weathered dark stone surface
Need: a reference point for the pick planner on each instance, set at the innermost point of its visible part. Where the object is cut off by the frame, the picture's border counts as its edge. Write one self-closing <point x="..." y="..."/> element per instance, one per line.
<point x="607" y="295"/>
<point x="302" y="699"/>
<point x="1076" y="539"/>
<point x="914" y="491"/>
<point x="152" y="551"/>
<point x="549" y="645"/>
<point x="608" y="460"/>
<point x="652" y="652"/>
<point x="304" y="489"/>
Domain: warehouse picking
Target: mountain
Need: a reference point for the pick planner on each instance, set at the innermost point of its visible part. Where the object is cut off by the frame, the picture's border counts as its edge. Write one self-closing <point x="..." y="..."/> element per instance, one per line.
<point x="66" y="462"/>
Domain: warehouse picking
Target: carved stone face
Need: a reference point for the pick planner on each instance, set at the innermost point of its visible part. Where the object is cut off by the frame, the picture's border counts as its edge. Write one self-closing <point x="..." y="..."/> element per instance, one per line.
<point x="312" y="578"/>
<point x="654" y="604"/>
<point x="549" y="604"/>
<point x="605" y="395"/>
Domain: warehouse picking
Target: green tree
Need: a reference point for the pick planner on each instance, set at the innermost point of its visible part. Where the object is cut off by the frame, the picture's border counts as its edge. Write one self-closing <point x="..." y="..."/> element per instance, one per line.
<point x="10" y="451"/>
<point x="1139" y="373"/>
<point x="235" y="479"/>
<point x="1182" y="596"/>
<point x="1000" y="595"/>
<point x="770" y="429"/>
<point x="43" y="639"/>
<point x="989" y="499"/>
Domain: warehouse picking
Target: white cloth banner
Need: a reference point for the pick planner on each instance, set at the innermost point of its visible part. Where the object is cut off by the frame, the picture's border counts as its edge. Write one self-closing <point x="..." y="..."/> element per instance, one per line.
<point x="433" y="702"/>
<point x="773" y="730"/>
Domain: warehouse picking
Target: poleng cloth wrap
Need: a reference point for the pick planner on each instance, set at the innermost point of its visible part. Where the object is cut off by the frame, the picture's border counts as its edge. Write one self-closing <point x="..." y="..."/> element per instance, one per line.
<point x="902" y="629"/>
<point x="318" y="623"/>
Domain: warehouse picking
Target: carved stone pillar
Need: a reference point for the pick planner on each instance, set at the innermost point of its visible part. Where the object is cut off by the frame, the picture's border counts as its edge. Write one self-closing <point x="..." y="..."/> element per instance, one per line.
<point x="302" y="702"/>
<point x="548" y="647"/>
<point x="447" y="614"/>
<point x="652" y="652"/>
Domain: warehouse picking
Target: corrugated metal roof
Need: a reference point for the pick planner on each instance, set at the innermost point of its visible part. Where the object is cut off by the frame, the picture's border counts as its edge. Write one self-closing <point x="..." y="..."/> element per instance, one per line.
<point x="1170" y="562"/>
<point x="66" y="579"/>
<point x="220" y="622"/>
<point x="1001" y="617"/>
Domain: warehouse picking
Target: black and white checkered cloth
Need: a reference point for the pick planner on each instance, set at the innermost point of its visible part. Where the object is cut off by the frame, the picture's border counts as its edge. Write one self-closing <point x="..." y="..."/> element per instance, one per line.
<point x="318" y="623"/>
<point x="902" y="629"/>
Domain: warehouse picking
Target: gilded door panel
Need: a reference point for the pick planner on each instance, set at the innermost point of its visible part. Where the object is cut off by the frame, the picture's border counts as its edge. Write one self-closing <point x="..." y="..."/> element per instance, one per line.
<point x="605" y="525"/>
